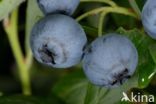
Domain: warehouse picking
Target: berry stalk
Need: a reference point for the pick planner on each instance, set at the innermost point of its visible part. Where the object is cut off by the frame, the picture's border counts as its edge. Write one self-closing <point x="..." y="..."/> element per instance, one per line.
<point x="10" y="26"/>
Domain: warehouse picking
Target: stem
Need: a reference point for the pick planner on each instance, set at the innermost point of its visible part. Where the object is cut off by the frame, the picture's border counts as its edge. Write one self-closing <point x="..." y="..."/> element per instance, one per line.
<point x="135" y="7"/>
<point x="120" y="10"/>
<point x="109" y="2"/>
<point x="29" y="59"/>
<point x="101" y="21"/>
<point x="10" y="26"/>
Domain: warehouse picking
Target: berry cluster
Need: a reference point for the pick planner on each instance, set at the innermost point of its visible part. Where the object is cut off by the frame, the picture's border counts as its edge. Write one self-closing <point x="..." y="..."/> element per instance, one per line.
<point x="57" y="40"/>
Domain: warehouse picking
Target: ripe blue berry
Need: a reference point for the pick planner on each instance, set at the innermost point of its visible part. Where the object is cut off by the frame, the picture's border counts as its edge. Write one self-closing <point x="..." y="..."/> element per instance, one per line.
<point x="58" y="41"/>
<point x="58" y="6"/>
<point x="148" y="17"/>
<point x="110" y="60"/>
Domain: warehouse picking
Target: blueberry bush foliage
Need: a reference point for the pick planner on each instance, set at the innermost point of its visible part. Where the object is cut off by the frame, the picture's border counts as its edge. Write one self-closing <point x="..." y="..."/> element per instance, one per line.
<point x="33" y="83"/>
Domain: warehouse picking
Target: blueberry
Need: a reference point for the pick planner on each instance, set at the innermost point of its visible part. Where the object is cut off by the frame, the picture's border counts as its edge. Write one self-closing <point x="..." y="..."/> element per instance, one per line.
<point x="110" y="60"/>
<point x="148" y="17"/>
<point x="58" y="6"/>
<point x="58" y="40"/>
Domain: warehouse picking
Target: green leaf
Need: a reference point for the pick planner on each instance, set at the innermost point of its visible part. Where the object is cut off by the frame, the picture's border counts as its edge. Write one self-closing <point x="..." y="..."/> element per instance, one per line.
<point x="91" y="94"/>
<point x="7" y="6"/>
<point x="72" y="88"/>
